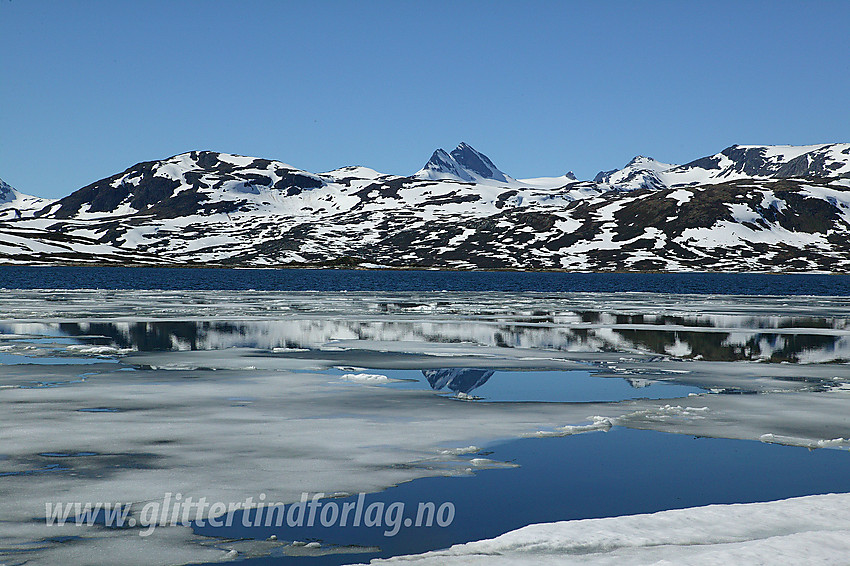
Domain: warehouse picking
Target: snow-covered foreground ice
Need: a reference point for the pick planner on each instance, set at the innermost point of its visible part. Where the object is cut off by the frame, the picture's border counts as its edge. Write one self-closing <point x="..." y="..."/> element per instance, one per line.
<point x="227" y="395"/>
<point x="799" y="531"/>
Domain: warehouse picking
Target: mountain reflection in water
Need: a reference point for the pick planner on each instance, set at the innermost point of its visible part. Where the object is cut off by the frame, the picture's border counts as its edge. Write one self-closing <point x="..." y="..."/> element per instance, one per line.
<point x="711" y="337"/>
<point x="459" y="380"/>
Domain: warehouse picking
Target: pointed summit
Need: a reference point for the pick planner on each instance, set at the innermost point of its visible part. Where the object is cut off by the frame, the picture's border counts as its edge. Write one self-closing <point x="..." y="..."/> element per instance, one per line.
<point x="641" y="160"/>
<point x="464" y="163"/>
<point x="640" y="173"/>
<point x="471" y="160"/>
<point x="7" y="193"/>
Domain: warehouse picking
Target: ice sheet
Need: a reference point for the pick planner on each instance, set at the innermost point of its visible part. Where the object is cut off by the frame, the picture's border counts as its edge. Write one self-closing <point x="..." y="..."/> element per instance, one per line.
<point x="217" y="394"/>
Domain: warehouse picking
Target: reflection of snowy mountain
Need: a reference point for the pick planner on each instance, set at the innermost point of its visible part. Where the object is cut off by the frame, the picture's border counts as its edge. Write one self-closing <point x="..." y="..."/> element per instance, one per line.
<point x="459" y="380"/>
<point x="639" y="383"/>
<point x="723" y="337"/>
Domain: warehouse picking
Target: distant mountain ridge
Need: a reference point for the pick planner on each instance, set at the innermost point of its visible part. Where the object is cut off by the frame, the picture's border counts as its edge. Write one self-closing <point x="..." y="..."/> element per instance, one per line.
<point x="733" y="163"/>
<point x="746" y="208"/>
<point x="774" y="162"/>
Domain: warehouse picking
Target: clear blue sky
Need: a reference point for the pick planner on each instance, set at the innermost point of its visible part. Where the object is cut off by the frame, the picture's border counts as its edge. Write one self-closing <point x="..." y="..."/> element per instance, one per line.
<point x="89" y="88"/>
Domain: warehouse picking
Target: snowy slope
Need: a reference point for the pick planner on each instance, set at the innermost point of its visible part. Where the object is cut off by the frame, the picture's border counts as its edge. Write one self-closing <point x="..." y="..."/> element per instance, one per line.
<point x="14" y="204"/>
<point x="761" y="162"/>
<point x="639" y="173"/>
<point x="753" y="208"/>
<point x="803" y="530"/>
<point x="733" y="163"/>
<point x="550" y="182"/>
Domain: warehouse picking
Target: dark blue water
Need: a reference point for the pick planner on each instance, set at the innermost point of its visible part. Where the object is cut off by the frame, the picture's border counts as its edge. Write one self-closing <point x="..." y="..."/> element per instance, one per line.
<point x="621" y="472"/>
<point x="16" y="277"/>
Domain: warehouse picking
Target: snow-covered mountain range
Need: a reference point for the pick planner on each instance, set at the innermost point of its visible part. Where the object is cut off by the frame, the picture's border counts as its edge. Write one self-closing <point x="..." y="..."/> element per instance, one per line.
<point x="747" y="208"/>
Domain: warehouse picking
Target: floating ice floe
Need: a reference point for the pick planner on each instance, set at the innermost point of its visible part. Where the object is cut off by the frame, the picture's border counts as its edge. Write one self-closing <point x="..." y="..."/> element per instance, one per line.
<point x="597" y="423"/>
<point x="367" y="378"/>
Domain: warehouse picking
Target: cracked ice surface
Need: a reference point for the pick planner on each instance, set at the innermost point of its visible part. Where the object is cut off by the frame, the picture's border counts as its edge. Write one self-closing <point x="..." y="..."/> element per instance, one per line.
<point x="222" y="395"/>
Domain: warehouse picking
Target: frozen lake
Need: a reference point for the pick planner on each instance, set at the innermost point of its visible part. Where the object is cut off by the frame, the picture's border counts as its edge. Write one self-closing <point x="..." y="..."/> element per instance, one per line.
<point x="518" y="407"/>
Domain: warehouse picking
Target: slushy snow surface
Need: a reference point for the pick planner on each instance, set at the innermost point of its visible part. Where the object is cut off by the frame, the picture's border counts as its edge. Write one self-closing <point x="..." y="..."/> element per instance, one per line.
<point x="799" y="531"/>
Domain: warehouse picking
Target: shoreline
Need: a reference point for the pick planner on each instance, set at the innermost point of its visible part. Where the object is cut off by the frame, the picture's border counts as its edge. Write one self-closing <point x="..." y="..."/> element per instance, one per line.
<point x="331" y="266"/>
